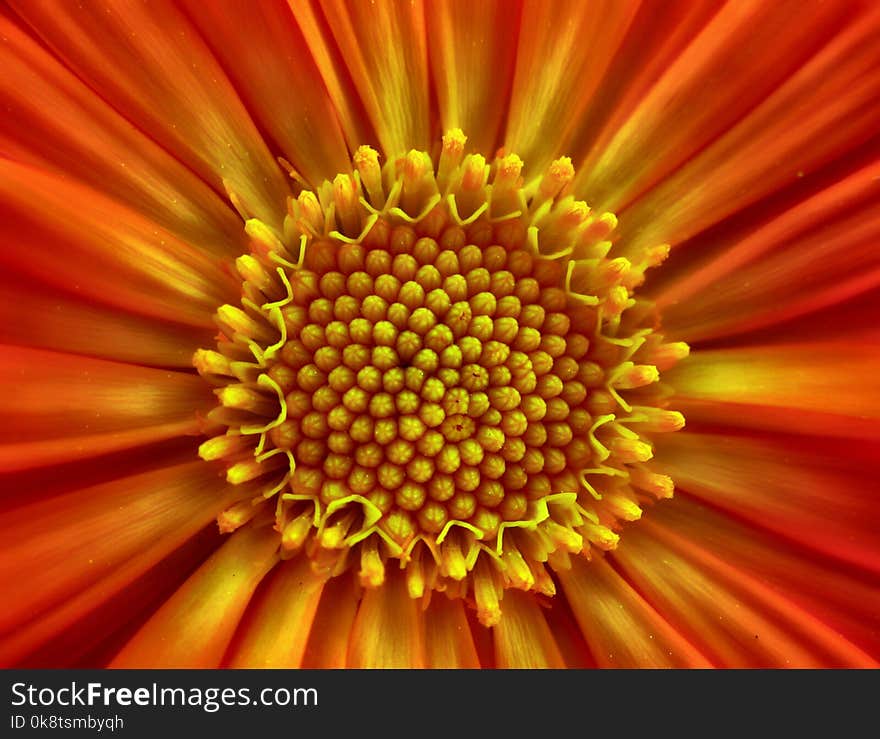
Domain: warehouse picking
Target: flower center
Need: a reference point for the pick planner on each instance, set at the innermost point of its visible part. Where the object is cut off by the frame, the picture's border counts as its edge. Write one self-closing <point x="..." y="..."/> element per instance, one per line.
<point x="440" y="366"/>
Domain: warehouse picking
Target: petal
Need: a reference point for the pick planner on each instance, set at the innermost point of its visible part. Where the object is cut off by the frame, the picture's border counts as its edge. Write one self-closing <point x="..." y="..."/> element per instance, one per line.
<point x="819" y="252"/>
<point x="522" y="638"/>
<point x="72" y="237"/>
<point x="820" y="388"/>
<point x="449" y="643"/>
<point x="823" y="110"/>
<point x="278" y="80"/>
<point x="88" y="629"/>
<point x="329" y="59"/>
<point x="60" y="407"/>
<point x="327" y="647"/>
<point x="659" y="33"/>
<point x="462" y="36"/>
<point x="153" y="67"/>
<point x="194" y="627"/>
<point x="276" y="628"/>
<point x="812" y="491"/>
<point x="727" y="614"/>
<point x="621" y="628"/>
<point x="718" y="583"/>
<point x="53" y="121"/>
<point x="845" y="599"/>
<point x="389" y="629"/>
<point x="384" y="48"/>
<point x="65" y="555"/>
<point x="38" y="316"/>
<point x="743" y="53"/>
<point x="563" y="53"/>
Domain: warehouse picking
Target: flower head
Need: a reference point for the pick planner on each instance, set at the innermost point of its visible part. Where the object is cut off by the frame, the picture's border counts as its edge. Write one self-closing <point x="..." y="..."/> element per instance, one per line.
<point x="299" y="374"/>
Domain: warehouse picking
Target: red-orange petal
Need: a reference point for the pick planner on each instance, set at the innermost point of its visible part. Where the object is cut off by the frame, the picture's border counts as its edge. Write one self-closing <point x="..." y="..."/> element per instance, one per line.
<point x="61" y="407"/>
<point x="729" y="613"/>
<point x="278" y="80"/>
<point x="812" y="388"/>
<point x="103" y="250"/>
<point x="817" y="492"/>
<point x="384" y="47"/>
<point x="449" y="643"/>
<point x="171" y="86"/>
<point x="54" y="121"/>
<point x="62" y="555"/>
<point x="621" y="628"/>
<point x="389" y="629"/>
<point x="194" y="627"/>
<point x="275" y="630"/>
<point x="522" y="637"/>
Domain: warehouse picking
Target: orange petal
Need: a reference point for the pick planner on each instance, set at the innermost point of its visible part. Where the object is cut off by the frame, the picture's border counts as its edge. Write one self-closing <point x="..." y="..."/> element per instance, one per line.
<point x="563" y="52"/>
<point x="751" y="46"/>
<point x="58" y="549"/>
<point x="845" y="599"/>
<point x="276" y="628"/>
<point x="53" y="121"/>
<point x="689" y="574"/>
<point x="389" y="630"/>
<point x="278" y="80"/>
<point x="471" y="94"/>
<point x="622" y="629"/>
<point x="522" y="637"/>
<point x="38" y="316"/>
<point x="103" y="250"/>
<point x="327" y="646"/>
<point x="60" y="407"/>
<point x="810" y="491"/>
<point x="384" y="47"/>
<point x="194" y="627"/>
<point x="87" y="629"/>
<point x="659" y="33"/>
<point x="153" y="67"/>
<point x="825" y="108"/>
<point x="818" y="388"/>
<point x="820" y="252"/>
<point x="449" y="643"/>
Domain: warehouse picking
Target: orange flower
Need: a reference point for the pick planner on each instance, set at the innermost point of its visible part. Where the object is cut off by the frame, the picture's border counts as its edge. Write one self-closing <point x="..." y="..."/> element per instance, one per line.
<point x="357" y="334"/>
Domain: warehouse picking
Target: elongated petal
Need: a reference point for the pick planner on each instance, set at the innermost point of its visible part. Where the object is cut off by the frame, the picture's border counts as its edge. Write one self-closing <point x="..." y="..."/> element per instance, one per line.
<point x="448" y="640"/>
<point x="462" y="35"/>
<point x="810" y="491"/>
<point x="562" y="55"/>
<point x="36" y="315"/>
<point x="277" y="626"/>
<point x="195" y="626"/>
<point x="59" y="407"/>
<point x="327" y="647"/>
<point x="731" y="614"/>
<point x="57" y="549"/>
<point x="622" y="629"/>
<point x="752" y="46"/>
<point x="823" y="110"/>
<point x="846" y="599"/>
<point x="54" y="121"/>
<point x="822" y="388"/>
<point x="522" y="638"/>
<point x="389" y="629"/>
<point x="278" y="80"/>
<point x="384" y="47"/>
<point x="170" y="85"/>
<point x="820" y="252"/>
<point x="71" y="236"/>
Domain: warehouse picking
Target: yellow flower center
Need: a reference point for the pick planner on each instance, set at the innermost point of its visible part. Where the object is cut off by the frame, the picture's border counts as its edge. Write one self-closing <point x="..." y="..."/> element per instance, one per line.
<point x="439" y="366"/>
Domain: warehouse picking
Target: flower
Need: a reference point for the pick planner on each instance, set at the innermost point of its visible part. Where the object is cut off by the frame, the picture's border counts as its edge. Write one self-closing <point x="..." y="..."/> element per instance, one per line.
<point x="357" y="335"/>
